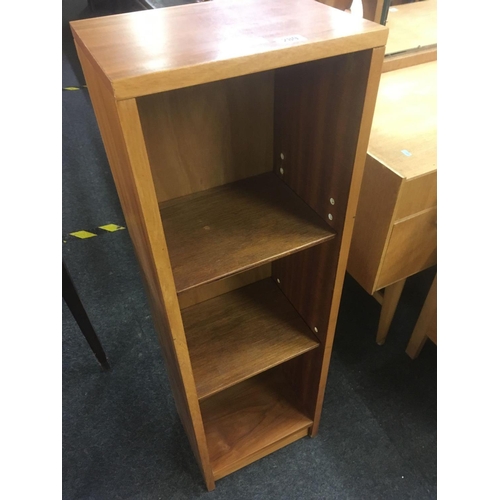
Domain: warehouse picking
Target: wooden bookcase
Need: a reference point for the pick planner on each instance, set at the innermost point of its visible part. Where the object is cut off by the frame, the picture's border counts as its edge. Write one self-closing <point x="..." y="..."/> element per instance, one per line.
<point x="237" y="131"/>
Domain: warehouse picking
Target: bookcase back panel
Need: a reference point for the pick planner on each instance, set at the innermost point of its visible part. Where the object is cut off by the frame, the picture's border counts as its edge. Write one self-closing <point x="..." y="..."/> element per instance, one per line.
<point x="210" y="290"/>
<point x="205" y="136"/>
<point x="307" y="279"/>
<point x="318" y="110"/>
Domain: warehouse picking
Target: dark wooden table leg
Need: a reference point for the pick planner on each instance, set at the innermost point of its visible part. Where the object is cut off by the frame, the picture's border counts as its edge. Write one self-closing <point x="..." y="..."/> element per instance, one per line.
<point x="75" y="305"/>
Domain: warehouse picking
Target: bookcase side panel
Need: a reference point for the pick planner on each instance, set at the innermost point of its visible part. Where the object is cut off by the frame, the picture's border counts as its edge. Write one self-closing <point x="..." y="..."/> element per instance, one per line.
<point x="122" y="136"/>
<point x="208" y="135"/>
<point x="374" y="216"/>
<point x="323" y="116"/>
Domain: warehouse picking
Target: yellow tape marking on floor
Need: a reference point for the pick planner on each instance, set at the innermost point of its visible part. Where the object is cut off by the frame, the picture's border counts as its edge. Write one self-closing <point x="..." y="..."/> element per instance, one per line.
<point x="83" y="234"/>
<point x="111" y="228"/>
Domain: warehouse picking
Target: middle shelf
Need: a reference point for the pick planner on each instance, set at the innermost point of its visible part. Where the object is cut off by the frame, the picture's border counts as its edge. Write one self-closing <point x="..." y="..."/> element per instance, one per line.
<point x="242" y="333"/>
<point x="226" y="230"/>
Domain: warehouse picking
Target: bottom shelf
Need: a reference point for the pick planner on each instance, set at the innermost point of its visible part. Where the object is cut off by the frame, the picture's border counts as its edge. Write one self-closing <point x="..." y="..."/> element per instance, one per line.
<point x="250" y="420"/>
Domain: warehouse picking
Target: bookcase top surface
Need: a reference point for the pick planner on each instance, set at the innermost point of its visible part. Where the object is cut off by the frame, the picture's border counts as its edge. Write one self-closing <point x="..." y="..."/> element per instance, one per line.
<point x="153" y="51"/>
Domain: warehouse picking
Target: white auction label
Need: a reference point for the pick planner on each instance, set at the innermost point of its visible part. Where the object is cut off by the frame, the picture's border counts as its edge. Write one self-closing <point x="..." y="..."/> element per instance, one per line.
<point x="291" y="39"/>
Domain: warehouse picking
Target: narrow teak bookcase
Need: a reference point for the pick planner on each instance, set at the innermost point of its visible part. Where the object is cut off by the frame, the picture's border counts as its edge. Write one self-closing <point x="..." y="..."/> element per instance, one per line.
<point x="237" y="131"/>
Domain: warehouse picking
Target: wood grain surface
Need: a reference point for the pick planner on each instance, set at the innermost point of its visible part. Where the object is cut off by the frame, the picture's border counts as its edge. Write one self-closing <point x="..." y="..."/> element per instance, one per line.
<point x="404" y="127"/>
<point x="121" y="132"/>
<point x="318" y="109"/>
<point x="242" y="333"/>
<point x="227" y="230"/>
<point x="196" y="235"/>
<point x="321" y="166"/>
<point x="307" y="279"/>
<point x="412" y="247"/>
<point x="209" y="135"/>
<point x="215" y="288"/>
<point x="251" y="420"/>
<point x="412" y="25"/>
<point x="416" y="194"/>
<point x="157" y="50"/>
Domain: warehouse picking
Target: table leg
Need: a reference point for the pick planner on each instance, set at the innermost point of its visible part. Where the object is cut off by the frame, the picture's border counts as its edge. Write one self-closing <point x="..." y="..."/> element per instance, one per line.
<point x="392" y="293"/>
<point x="426" y="324"/>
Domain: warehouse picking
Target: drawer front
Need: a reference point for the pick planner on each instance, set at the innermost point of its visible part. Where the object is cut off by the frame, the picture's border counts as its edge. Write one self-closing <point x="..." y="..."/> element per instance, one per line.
<point x="417" y="195"/>
<point x="412" y="247"/>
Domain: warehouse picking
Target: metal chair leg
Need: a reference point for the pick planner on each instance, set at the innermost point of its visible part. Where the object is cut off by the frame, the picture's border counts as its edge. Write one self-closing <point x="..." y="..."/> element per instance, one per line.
<point x="75" y="305"/>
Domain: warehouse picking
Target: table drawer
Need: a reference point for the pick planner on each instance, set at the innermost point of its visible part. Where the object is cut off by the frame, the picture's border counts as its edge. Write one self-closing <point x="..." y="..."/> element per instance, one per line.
<point x="416" y="195"/>
<point x="411" y="248"/>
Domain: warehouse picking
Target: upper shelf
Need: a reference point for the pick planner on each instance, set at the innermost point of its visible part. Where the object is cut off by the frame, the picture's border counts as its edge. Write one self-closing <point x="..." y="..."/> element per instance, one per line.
<point x="226" y="230"/>
<point x="157" y="50"/>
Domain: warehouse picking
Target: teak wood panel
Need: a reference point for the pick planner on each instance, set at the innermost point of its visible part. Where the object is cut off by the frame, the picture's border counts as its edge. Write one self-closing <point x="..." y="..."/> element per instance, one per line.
<point x="298" y="276"/>
<point x="208" y="135"/>
<point x="242" y="333"/>
<point x="306" y="278"/>
<point x="215" y="288"/>
<point x="411" y="247"/>
<point x="136" y="55"/>
<point x="372" y="10"/>
<point x="226" y="230"/>
<point x="164" y="49"/>
<point x="317" y="114"/>
<point x="390" y="241"/>
<point x="318" y="105"/>
<point x="251" y="420"/>
<point x="121" y="132"/>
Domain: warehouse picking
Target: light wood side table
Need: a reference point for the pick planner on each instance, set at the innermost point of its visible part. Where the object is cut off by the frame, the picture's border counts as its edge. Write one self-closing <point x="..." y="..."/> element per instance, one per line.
<point x="426" y="326"/>
<point x="396" y="222"/>
<point x="412" y="35"/>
